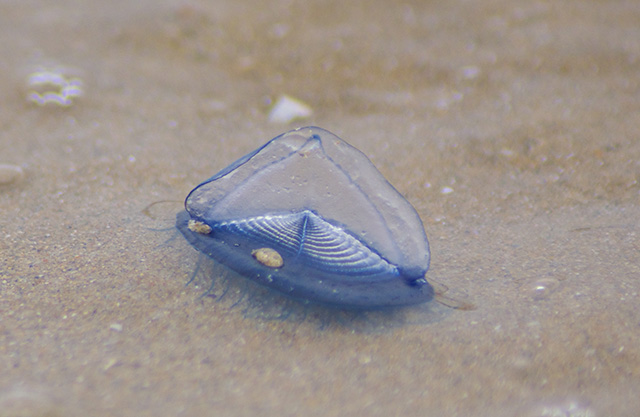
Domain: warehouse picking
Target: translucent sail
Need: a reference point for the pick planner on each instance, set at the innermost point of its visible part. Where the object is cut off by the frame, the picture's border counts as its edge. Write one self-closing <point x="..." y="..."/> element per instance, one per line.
<point x="313" y="169"/>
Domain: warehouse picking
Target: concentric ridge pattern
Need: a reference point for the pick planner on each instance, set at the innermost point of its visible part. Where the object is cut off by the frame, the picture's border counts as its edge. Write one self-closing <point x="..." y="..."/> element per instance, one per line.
<point x="308" y="236"/>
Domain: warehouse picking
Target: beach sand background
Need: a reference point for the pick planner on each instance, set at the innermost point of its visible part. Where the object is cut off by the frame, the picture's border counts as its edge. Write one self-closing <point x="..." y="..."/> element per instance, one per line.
<point x="512" y="127"/>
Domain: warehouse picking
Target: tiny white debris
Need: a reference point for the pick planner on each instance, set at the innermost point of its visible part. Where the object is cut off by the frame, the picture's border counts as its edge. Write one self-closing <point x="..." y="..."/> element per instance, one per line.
<point x="53" y="85"/>
<point x="470" y="72"/>
<point x="10" y="174"/>
<point x="116" y="327"/>
<point x="287" y="109"/>
<point x="446" y="190"/>
<point x="110" y="363"/>
<point x="447" y="99"/>
<point x="279" y="30"/>
<point x="213" y="106"/>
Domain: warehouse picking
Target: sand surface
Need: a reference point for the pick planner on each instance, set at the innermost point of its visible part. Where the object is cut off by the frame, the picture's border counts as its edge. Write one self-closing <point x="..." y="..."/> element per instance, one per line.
<point x="512" y="127"/>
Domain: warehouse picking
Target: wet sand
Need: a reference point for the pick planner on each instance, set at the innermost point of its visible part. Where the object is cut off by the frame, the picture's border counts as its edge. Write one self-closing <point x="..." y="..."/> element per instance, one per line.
<point x="510" y="126"/>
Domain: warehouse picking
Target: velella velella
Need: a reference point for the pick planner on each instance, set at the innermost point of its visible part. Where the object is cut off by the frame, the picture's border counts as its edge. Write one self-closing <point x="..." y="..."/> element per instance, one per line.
<point x="310" y="216"/>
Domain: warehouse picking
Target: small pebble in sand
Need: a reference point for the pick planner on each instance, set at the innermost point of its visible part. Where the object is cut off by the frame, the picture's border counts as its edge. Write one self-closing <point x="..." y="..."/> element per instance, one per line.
<point x="117" y="327"/>
<point x="470" y="72"/>
<point x="10" y="174"/>
<point x="287" y="109"/>
<point x="568" y="408"/>
<point x="542" y="288"/>
<point x="53" y="86"/>
<point x="27" y="399"/>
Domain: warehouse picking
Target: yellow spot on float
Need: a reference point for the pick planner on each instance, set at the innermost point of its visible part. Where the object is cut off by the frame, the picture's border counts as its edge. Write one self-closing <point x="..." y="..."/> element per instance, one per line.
<point x="199" y="227"/>
<point x="268" y="257"/>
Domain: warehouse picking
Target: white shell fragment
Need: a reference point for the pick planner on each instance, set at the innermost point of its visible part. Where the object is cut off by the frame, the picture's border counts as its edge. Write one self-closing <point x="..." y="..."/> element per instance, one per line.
<point x="287" y="109"/>
<point x="10" y="174"/>
<point x="53" y="86"/>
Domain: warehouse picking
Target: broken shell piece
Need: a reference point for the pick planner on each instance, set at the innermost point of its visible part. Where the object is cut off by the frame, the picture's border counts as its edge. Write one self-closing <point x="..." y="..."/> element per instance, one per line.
<point x="53" y="85"/>
<point x="10" y="174"/>
<point x="287" y="109"/>
<point x="268" y="257"/>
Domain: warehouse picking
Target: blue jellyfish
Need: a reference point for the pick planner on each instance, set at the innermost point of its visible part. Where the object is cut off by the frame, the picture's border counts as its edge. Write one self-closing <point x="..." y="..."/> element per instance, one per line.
<point x="310" y="216"/>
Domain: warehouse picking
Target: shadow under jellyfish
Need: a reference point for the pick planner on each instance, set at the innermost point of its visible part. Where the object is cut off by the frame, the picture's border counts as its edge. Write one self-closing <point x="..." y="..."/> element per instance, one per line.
<point x="310" y="216"/>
